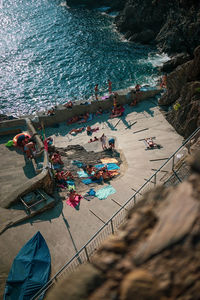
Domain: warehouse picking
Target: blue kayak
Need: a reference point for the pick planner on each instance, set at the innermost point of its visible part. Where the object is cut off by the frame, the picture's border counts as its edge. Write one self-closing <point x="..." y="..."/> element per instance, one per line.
<point x="30" y="270"/>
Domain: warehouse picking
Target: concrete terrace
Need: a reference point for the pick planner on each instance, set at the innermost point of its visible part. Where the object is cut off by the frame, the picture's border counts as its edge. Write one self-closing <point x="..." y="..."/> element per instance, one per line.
<point x="66" y="229"/>
<point x="14" y="169"/>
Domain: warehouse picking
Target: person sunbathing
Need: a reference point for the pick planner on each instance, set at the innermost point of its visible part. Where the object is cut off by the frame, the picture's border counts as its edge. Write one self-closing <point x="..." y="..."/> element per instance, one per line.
<point x="93" y="140"/>
<point x="76" y="130"/>
<point x="90" y="169"/>
<point x="56" y="158"/>
<point x="150" y="143"/>
<point x="69" y="104"/>
<point x="73" y="120"/>
<point x="84" y="118"/>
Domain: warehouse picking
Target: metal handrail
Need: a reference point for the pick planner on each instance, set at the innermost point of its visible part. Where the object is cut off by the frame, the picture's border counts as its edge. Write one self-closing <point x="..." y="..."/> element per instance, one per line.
<point x="49" y="283"/>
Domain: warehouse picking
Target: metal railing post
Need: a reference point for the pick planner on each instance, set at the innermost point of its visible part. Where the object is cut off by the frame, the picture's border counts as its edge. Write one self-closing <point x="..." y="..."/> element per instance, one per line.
<point x="88" y="258"/>
<point x="155" y="179"/>
<point x="134" y="199"/>
<point x="112" y="227"/>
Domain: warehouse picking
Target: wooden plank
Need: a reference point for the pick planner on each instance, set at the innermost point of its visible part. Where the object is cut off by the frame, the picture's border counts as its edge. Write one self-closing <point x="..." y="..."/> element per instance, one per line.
<point x="141" y="130"/>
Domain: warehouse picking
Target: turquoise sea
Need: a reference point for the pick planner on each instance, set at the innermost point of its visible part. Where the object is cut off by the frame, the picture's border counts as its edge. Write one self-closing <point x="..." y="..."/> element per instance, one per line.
<point x="50" y="53"/>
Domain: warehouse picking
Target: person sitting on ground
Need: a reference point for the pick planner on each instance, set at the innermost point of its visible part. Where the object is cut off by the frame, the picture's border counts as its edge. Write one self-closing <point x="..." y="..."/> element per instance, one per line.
<point x="99" y="111"/>
<point x="117" y="111"/>
<point x="111" y="143"/>
<point x="93" y="140"/>
<point x="137" y="87"/>
<point x="150" y="143"/>
<point x="69" y="104"/>
<point x="51" y="112"/>
<point x="90" y="169"/>
<point x="56" y="158"/>
<point x="89" y="130"/>
<point x="96" y="90"/>
<point x="29" y="149"/>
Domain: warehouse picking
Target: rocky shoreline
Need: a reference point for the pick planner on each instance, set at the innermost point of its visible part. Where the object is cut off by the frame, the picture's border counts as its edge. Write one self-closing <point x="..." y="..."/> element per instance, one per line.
<point x="173" y="26"/>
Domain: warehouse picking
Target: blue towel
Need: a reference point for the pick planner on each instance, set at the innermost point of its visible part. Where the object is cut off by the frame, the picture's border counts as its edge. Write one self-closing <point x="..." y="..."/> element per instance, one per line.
<point x="70" y="182"/>
<point x="87" y="181"/>
<point x="82" y="174"/>
<point x="99" y="166"/>
<point x="104" y="192"/>
<point x="112" y="167"/>
<point x="91" y="192"/>
<point x="77" y="163"/>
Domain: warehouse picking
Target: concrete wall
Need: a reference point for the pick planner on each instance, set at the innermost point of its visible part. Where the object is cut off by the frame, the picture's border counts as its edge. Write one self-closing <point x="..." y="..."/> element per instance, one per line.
<point x="63" y="114"/>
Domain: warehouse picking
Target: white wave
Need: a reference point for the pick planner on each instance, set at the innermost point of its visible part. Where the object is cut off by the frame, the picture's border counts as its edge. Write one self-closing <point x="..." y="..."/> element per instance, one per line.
<point x="157" y="60"/>
<point x="64" y="4"/>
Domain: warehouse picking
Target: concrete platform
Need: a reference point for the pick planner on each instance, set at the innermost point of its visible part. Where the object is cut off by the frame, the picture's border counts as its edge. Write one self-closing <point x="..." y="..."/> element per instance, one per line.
<point x="66" y="229"/>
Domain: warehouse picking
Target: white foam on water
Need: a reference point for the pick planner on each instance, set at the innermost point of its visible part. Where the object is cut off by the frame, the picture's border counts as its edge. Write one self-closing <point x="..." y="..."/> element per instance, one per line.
<point x="157" y="60"/>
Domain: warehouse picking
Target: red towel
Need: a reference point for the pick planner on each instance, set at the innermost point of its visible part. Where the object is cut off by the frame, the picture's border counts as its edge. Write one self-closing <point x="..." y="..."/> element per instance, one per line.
<point x="74" y="202"/>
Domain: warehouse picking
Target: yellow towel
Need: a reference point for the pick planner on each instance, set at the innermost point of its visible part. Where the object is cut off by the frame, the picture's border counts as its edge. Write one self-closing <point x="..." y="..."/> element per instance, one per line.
<point x="109" y="161"/>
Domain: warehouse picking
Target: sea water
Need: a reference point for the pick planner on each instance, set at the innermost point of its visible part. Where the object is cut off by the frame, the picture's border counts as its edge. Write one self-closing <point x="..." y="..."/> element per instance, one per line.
<point x="51" y="53"/>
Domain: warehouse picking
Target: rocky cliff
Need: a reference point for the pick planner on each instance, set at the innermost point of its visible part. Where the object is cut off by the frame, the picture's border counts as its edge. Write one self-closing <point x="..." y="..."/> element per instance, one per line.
<point x="183" y="88"/>
<point x="173" y="25"/>
<point x="155" y="254"/>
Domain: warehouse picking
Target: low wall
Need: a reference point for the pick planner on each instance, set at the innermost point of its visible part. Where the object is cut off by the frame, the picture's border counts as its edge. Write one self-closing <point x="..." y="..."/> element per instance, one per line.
<point x="63" y="114"/>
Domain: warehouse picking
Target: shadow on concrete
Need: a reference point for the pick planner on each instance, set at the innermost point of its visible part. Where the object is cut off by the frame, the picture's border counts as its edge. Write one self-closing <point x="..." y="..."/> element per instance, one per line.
<point x="48" y="215"/>
<point x="71" y="237"/>
<point x="63" y="129"/>
<point x="29" y="170"/>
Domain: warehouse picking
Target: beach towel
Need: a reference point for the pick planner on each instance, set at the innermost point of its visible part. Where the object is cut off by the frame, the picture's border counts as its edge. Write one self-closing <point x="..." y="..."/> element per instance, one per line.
<point x="104" y="192"/>
<point x="87" y="181"/>
<point x="111" y="167"/>
<point x="75" y="202"/>
<point x="70" y="182"/>
<point x="99" y="166"/>
<point x="109" y="160"/>
<point x="77" y="163"/>
<point x="71" y="187"/>
<point x="82" y="174"/>
<point x="91" y="192"/>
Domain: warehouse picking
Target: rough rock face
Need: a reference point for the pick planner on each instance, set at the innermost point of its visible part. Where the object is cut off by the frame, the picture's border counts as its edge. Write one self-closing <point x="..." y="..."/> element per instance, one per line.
<point x="174" y="25"/>
<point x="183" y="87"/>
<point x="155" y="254"/>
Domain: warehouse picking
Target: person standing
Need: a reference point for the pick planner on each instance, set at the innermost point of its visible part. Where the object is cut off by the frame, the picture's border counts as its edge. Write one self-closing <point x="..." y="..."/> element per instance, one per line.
<point x="96" y="90"/>
<point x="109" y="86"/>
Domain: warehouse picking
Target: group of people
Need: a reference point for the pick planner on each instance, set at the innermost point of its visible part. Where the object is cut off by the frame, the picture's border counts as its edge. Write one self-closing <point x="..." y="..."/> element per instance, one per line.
<point x="99" y="174"/>
<point x="111" y="142"/>
<point x="96" y="89"/>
